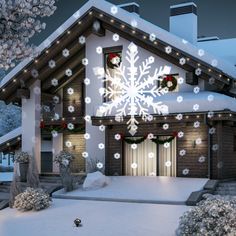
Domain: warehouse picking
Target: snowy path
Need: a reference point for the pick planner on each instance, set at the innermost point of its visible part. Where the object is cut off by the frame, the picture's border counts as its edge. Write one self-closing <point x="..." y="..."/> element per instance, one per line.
<point x="168" y="190"/>
<point x="98" y="219"/>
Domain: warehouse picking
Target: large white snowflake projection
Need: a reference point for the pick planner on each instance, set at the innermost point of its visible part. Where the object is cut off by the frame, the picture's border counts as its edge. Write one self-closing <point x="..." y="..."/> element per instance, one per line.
<point x="132" y="91"/>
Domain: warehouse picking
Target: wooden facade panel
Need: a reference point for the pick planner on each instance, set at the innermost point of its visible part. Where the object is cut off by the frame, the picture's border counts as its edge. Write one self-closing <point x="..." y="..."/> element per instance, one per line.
<point x="189" y="161"/>
<point x="78" y="146"/>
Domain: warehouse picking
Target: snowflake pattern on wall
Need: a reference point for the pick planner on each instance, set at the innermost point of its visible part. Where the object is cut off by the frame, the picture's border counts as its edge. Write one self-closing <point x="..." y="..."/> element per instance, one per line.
<point x="132" y="93"/>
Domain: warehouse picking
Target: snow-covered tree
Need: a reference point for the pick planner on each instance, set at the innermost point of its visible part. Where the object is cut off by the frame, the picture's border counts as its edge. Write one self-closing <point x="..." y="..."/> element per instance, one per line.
<point x="10" y="117"/>
<point x="19" y="21"/>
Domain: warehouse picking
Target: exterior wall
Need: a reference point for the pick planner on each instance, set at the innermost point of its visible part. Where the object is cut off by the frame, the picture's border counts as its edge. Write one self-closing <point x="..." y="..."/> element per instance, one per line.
<point x="31" y="133"/>
<point x="96" y="60"/>
<point x="224" y="158"/>
<point x="78" y="146"/>
<point x="189" y="161"/>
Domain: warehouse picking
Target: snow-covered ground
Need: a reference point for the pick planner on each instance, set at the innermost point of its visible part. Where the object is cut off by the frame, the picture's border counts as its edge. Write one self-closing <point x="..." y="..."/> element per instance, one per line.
<point x="98" y="219"/>
<point x="6" y="176"/>
<point x="154" y="189"/>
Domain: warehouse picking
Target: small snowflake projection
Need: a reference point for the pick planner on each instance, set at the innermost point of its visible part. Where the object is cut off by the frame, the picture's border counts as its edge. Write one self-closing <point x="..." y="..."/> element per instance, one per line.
<point x="219" y="164"/>
<point x="54" y="133"/>
<point x="210" y="114"/>
<point x="56" y="99"/>
<point x="68" y="72"/>
<point x="99" y="50"/>
<point x="182" y="152"/>
<point x="87" y="118"/>
<point x="201" y="159"/>
<point x="215" y="147"/>
<point x="151" y="155"/>
<point x="70" y="126"/>
<point x="99" y="165"/>
<point x="210" y="98"/>
<point x="134" y="23"/>
<point x="134" y="165"/>
<point x="68" y="144"/>
<point x="134" y="146"/>
<point x="195" y="107"/>
<point x="101" y="146"/>
<point x="196" y="90"/>
<point x="87" y="100"/>
<point x="71" y="108"/>
<point x="181" y="134"/>
<point x="37" y="90"/>
<point x="117" y="155"/>
<point x="70" y="91"/>
<point x="211" y="81"/>
<point x="84" y="154"/>
<point x="180" y="80"/>
<point x="150" y="136"/>
<point x="117" y="137"/>
<point x="198" y="71"/>
<point x="198" y="141"/>
<point x="165" y="126"/>
<point x="168" y="163"/>
<point x="102" y="128"/>
<point x="54" y="82"/>
<point x="56" y="116"/>
<point x="201" y="52"/>
<point x="185" y="171"/>
<point x="34" y="73"/>
<point x="152" y="37"/>
<point x="166" y="145"/>
<point x="87" y="136"/>
<point x="114" y="10"/>
<point x="115" y="37"/>
<point x="182" y="61"/>
<point x="132" y="93"/>
<point x="82" y="40"/>
<point x="179" y="99"/>
<point x="212" y="130"/>
<point x="51" y="64"/>
<point x="168" y="49"/>
<point x="87" y="81"/>
<point x="85" y="61"/>
<point x="179" y="117"/>
<point x="196" y="124"/>
<point x="66" y="52"/>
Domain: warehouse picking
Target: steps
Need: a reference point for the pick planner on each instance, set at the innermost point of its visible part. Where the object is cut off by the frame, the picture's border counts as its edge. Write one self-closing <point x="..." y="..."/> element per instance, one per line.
<point x="226" y="188"/>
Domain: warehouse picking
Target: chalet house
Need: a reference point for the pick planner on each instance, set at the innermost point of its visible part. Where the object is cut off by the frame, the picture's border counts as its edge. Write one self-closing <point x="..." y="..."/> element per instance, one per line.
<point x="65" y="95"/>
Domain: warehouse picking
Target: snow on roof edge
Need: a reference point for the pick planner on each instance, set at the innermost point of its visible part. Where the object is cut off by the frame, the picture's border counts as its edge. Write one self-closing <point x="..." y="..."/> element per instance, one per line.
<point x="128" y="17"/>
<point x="11" y="135"/>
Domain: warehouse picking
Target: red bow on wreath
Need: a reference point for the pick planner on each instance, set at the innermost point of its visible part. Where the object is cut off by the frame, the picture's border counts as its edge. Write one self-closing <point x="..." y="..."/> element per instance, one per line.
<point x="63" y="125"/>
<point x="168" y="78"/>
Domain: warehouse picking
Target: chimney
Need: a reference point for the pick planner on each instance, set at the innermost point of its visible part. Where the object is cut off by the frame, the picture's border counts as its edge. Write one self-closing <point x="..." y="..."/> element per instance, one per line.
<point x="132" y="7"/>
<point x="183" y="21"/>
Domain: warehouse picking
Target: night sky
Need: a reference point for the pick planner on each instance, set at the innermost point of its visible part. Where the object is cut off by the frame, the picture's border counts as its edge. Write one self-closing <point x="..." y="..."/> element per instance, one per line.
<point x="215" y="17"/>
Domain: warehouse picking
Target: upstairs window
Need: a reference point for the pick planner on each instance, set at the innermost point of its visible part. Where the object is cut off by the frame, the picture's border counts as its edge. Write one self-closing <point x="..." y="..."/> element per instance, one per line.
<point x="112" y="61"/>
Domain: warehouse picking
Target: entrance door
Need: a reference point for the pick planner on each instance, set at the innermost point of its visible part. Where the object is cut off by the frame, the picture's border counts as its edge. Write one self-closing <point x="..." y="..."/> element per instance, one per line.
<point x="46" y="162"/>
<point x="142" y="160"/>
<point x="167" y="158"/>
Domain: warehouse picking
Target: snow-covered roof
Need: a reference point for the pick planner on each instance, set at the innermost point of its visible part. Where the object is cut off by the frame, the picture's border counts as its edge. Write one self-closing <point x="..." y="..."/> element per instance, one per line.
<point x="11" y="135"/>
<point x="204" y="101"/>
<point x="142" y="24"/>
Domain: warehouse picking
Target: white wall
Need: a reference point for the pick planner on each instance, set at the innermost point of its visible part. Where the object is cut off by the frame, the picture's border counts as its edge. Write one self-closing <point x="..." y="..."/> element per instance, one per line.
<point x="96" y="60"/>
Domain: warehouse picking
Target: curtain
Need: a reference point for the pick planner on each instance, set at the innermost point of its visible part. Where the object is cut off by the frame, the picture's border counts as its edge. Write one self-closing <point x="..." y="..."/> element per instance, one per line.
<point x="143" y="159"/>
<point x="167" y="158"/>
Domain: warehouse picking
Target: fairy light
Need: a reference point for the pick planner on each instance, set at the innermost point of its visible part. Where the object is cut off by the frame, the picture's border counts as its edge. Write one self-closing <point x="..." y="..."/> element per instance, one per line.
<point x="177" y="54"/>
<point x="101" y="15"/>
<point x="220" y="75"/>
<point x="198" y="64"/>
<point x="90" y="13"/>
<point x="73" y="118"/>
<point x="198" y="116"/>
<point x="112" y="21"/>
<point x="14" y="80"/>
<point x="187" y="117"/>
<point x="58" y="41"/>
<point x="47" y="51"/>
<point x="230" y="114"/>
<point x="3" y="89"/>
<point x="79" y="22"/>
<point x="144" y="36"/>
<point x="133" y="32"/>
<point x="25" y="71"/>
<point x="209" y="70"/>
<point x="68" y="32"/>
<point x="187" y="59"/>
<point x="219" y="115"/>
<point x="122" y="26"/>
<point x="36" y="61"/>
<point x="155" y="42"/>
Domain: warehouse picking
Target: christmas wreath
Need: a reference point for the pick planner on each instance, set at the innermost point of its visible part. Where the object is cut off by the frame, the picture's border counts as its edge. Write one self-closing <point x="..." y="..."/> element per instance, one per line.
<point x="169" y="82"/>
<point x="113" y="60"/>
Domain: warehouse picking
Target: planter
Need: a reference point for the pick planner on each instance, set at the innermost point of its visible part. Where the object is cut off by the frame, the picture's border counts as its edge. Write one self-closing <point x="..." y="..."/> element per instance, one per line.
<point x="23" y="171"/>
<point x="67" y="178"/>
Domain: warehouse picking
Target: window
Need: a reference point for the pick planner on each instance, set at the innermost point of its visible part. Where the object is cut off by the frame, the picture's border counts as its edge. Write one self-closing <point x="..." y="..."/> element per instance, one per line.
<point x="112" y="60"/>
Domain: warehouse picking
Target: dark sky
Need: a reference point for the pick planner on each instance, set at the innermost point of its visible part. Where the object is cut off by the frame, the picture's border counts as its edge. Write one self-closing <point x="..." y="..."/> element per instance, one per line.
<point x="215" y="17"/>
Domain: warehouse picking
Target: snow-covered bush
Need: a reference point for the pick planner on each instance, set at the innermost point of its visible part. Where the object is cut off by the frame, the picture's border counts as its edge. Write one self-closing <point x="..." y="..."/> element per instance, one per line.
<point x="22" y="157"/>
<point x="213" y="216"/>
<point x="64" y="158"/>
<point x="20" y="20"/>
<point x="32" y="199"/>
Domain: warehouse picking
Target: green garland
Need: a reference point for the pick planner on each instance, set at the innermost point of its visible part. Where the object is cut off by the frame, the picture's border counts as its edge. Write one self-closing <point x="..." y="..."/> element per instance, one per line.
<point x="142" y="139"/>
<point x="62" y="129"/>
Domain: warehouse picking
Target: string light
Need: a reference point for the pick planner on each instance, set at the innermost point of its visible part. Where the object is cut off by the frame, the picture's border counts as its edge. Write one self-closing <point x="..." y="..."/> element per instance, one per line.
<point x="14" y="80"/>
<point x="101" y="15"/>
<point x="209" y="70"/>
<point x="79" y="22"/>
<point x="68" y="32"/>
<point x="58" y="41"/>
<point x="198" y="64"/>
<point x="47" y="51"/>
<point x="112" y="21"/>
<point x="90" y="13"/>
<point x="133" y="32"/>
<point x="25" y="71"/>
<point x="123" y="26"/>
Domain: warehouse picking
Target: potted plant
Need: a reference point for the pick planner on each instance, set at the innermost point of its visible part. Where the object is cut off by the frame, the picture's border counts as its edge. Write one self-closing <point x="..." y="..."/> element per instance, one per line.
<point x="64" y="160"/>
<point x="23" y="159"/>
